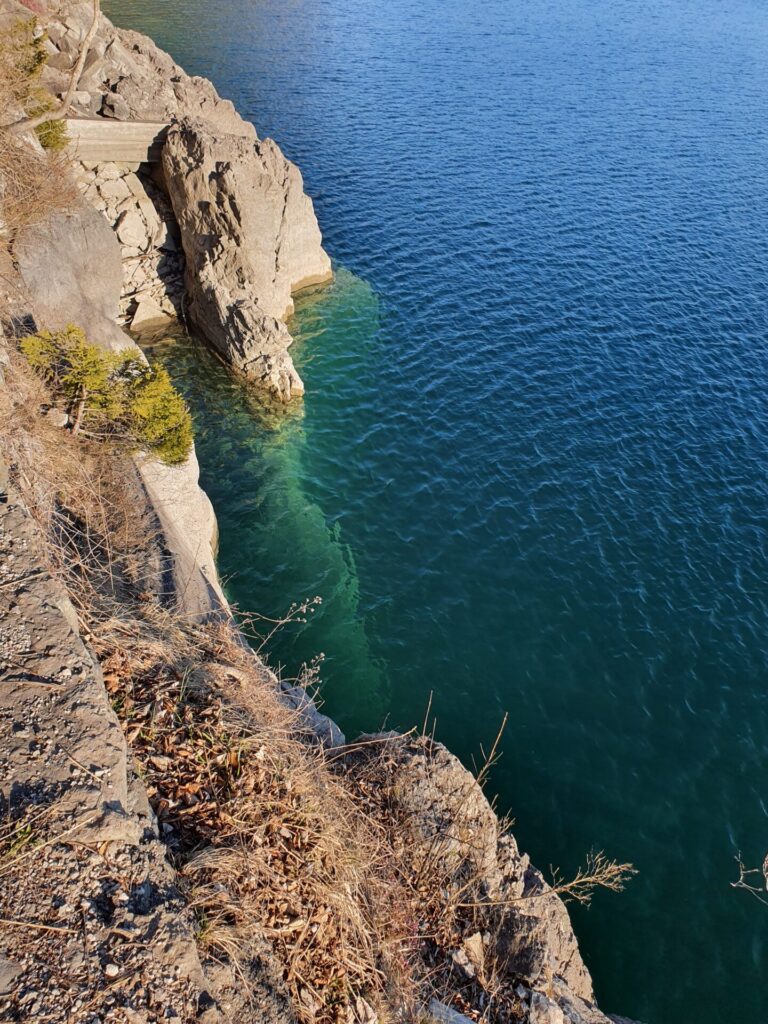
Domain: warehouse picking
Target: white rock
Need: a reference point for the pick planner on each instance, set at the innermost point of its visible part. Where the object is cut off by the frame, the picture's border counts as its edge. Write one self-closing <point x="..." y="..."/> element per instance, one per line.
<point x="57" y="417"/>
<point x="134" y="184"/>
<point x="148" y="313"/>
<point x="131" y="229"/>
<point x="250" y="237"/>
<point x="114" y="189"/>
<point x="544" y="1011"/>
<point x="109" y="171"/>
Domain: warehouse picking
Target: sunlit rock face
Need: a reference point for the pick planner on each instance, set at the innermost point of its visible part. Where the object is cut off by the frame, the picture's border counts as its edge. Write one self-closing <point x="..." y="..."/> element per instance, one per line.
<point x="250" y="238"/>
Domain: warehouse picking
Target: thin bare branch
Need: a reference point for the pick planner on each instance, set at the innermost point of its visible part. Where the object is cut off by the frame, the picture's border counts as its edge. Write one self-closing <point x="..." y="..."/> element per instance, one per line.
<point x="30" y="123"/>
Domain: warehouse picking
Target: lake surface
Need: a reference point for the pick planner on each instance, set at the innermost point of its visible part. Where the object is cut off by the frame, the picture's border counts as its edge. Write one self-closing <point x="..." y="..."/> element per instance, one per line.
<point x="529" y="474"/>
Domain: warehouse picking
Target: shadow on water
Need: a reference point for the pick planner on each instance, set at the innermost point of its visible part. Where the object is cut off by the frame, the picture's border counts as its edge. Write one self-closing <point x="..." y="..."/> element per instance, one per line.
<point x="276" y="542"/>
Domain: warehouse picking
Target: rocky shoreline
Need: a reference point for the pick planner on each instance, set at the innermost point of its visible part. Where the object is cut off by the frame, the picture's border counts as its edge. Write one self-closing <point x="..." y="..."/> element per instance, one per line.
<point x="220" y="232"/>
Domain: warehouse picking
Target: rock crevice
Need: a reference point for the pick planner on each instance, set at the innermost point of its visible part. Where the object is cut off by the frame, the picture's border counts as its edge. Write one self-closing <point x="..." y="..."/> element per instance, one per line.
<point x="250" y="239"/>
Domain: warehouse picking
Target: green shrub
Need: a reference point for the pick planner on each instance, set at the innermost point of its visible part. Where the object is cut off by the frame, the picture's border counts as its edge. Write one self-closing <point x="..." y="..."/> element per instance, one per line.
<point x="160" y="416"/>
<point x="51" y="135"/>
<point x="113" y="394"/>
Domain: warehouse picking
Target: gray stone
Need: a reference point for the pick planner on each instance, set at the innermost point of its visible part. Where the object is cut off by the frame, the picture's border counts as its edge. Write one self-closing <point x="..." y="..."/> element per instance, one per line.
<point x="108" y="171"/>
<point x="114" y="189"/>
<point x="9" y="972"/>
<point x="116" y="106"/>
<point x="148" y="314"/>
<point x="249" y="236"/>
<point x="311" y="719"/>
<point x="445" y="1014"/>
<point x="71" y="267"/>
<point x="57" y="417"/>
<point x="544" y="1010"/>
<point x="131" y="229"/>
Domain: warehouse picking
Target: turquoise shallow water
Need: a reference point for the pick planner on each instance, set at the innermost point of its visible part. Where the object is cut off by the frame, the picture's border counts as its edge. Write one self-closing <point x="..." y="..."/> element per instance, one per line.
<point x="530" y="471"/>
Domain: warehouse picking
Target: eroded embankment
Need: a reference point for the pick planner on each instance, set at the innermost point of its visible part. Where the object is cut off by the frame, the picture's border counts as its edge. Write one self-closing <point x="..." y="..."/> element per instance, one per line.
<point x="300" y="878"/>
<point x="185" y="838"/>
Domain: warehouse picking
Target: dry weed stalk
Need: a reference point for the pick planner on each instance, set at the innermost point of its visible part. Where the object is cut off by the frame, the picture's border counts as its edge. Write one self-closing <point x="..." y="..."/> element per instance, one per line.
<point x="746" y="879"/>
<point x="26" y="124"/>
<point x="33" y="185"/>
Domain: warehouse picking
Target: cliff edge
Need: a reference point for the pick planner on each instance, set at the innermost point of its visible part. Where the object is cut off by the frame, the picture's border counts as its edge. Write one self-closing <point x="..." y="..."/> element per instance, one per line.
<point x="184" y="835"/>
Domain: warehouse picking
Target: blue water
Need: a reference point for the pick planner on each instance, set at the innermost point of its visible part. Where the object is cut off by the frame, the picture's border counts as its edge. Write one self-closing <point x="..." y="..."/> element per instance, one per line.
<point x="530" y="471"/>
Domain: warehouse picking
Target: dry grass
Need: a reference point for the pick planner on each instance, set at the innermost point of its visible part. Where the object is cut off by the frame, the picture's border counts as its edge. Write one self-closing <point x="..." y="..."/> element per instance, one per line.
<point x="277" y="841"/>
<point x="85" y="496"/>
<point x="267" y="839"/>
<point x="33" y="183"/>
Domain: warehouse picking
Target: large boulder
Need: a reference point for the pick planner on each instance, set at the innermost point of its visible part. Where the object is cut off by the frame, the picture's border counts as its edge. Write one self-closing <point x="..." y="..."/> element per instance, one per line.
<point x="250" y="239"/>
<point x="446" y="821"/>
<point x="71" y="266"/>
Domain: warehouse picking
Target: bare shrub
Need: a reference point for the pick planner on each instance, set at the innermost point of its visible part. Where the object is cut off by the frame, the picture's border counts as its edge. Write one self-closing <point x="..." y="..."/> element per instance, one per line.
<point x="749" y="876"/>
<point x="32" y="185"/>
<point x="34" y="182"/>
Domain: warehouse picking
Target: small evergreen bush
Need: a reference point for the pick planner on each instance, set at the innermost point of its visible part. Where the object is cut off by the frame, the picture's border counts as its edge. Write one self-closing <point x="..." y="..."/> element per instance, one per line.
<point x="161" y="419"/>
<point x="113" y="394"/>
<point x="52" y="135"/>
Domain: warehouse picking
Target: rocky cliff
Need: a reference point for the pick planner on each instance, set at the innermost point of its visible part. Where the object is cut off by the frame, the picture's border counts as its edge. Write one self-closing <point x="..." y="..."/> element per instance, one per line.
<point x="186" y="837"/>
<point x="248" y="231"/>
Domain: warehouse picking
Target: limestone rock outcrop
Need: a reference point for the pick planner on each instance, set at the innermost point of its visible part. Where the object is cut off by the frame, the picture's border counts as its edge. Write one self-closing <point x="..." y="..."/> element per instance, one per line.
<point x="70" y="264"/>
<point x="141" y="217"/>
<point x="250" y="238"/>
<point x="128" y="77"/>
<point x="248" y="230"/>
<point x="446" y="815"/>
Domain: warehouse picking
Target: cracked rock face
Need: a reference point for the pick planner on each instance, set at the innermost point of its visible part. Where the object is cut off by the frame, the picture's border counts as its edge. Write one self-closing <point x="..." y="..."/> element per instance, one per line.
<point x="126" y="76"/>
<point x="445" y="812"/>
<point x="250" y="239"/>
<point x="248" y="230"/>
<point x="70" y="264"/>
<point x="141" y="217"/>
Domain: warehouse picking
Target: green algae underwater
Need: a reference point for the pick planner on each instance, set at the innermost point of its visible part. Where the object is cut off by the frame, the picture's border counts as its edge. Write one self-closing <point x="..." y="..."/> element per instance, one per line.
<point x="277" y="546"/>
